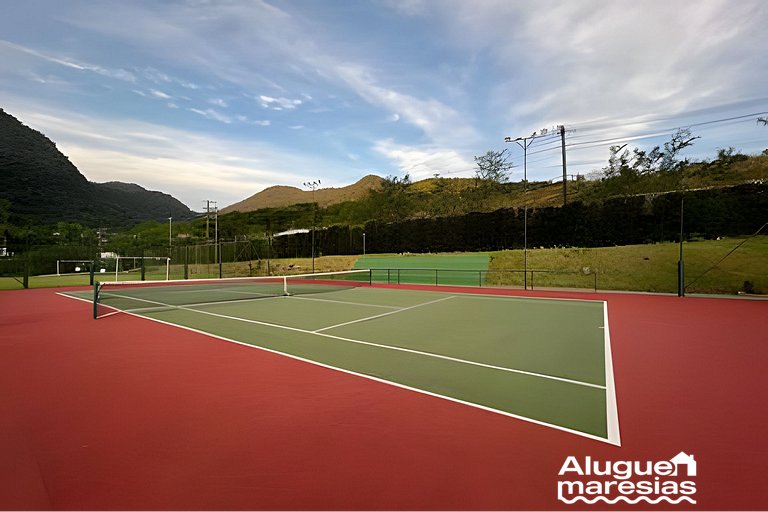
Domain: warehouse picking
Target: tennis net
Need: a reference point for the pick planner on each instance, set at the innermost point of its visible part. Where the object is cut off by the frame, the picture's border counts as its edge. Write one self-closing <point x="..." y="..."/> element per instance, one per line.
<point x="136" y="296"/>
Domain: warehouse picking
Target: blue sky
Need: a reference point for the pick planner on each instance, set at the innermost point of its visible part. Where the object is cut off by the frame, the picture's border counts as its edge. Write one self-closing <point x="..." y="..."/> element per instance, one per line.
<point x="216" y="100"/>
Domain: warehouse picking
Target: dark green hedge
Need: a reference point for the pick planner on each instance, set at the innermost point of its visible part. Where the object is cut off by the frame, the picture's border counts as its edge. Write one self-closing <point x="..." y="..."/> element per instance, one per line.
<point x="737" y="210"/>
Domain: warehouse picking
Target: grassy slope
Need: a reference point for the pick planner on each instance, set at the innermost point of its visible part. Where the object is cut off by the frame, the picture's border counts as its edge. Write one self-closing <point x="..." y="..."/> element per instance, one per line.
<point x="651" y="268"/>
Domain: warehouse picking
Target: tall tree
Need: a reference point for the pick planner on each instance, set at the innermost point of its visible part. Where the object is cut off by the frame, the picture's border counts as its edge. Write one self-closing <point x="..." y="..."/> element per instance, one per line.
<point x="493" y="167"/>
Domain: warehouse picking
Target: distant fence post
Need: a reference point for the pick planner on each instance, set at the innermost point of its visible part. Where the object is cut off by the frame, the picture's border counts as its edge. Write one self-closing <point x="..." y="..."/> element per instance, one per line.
<point x="221" y="261"/>
<point x="143" y="268"/>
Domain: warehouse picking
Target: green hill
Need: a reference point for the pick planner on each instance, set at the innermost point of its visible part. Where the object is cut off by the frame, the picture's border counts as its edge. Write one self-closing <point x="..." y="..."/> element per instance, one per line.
<point x="43" y="187"/>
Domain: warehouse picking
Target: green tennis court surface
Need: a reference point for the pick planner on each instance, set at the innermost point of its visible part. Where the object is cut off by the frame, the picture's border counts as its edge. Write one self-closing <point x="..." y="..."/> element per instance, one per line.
<point x="444" y="269"/>
<point x="546" y="361"/>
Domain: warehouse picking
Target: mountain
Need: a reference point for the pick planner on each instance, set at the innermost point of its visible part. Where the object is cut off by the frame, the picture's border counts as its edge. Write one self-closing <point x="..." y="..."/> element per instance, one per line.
<point x="44" y="187"/>
<point x="280" y="196"/>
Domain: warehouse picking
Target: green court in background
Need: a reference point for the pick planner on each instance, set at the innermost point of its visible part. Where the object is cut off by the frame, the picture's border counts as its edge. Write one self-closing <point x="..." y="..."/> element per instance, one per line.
<point x="456" y="261"/>
<point x="464" y="269"/>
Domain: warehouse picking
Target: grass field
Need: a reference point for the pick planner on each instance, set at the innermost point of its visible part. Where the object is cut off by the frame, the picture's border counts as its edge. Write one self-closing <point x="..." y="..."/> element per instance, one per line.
<point x="646" y="268"/>
<point x="651" y="267"/>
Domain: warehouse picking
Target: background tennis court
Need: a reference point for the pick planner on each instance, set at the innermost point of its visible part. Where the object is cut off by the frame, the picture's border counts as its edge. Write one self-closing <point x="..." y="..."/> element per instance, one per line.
<point x="461" y="269"/>
<point x="539" y="359"/>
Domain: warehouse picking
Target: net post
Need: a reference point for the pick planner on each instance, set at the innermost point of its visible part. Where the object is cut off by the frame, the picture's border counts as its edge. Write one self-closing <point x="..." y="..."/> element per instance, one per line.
<point x="143" y="267"/>
<point x="285" y="285"/>
<point x="25" y="279"/>
<point x="95" y="300"/>
<point x="91" y="273"/>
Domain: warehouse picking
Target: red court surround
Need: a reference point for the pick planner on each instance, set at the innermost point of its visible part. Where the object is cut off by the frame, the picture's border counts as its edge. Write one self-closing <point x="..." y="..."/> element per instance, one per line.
<point x="125" y="413"/>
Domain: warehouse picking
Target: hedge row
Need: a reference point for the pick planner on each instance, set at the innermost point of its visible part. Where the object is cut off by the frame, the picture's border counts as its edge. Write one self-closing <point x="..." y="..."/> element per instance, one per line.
<point x="710" y="213"/>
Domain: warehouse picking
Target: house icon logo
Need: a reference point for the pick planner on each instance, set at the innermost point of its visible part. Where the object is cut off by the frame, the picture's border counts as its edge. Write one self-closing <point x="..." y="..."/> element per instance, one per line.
<point x="683" y="459"/>
<point x="589" y="481"/>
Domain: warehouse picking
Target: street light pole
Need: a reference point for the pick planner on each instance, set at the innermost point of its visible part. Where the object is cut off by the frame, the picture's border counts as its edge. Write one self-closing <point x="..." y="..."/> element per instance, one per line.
<point x="313" y="185"/>
<point x="524" y="142"/>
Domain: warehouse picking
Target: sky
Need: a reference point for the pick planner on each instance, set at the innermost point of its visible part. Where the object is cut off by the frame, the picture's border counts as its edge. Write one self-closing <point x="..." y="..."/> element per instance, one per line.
<point x="218" y="99"/>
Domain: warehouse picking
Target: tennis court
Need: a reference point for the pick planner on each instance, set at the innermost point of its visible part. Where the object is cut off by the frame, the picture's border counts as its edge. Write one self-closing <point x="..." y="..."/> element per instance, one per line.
<point x="166" y="405"/>
<point x="431" y="269"/>
<point x="543" y="360"/>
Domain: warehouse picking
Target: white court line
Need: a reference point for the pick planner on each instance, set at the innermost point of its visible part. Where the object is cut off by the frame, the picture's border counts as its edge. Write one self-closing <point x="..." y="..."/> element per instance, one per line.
<point x="302" y="297"/>
<point x="611" y="406"/>
<point x="378" y="379"/>
<point x="399" y="310"/>
<point x="378" y="345"/>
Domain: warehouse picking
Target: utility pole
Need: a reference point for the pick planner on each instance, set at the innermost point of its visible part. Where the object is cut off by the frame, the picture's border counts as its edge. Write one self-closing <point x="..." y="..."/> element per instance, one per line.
<point x="565" y="173"/>
<point x="208" y="205"/>
<point x="207" y="220"/>
<point x="313" y="185"/>
<point x="524" y="142"/>
<point x="680" y="264"/>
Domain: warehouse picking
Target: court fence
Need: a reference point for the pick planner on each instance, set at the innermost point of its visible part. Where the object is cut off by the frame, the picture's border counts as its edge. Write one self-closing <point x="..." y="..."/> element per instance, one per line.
<point x="515" y="278"/>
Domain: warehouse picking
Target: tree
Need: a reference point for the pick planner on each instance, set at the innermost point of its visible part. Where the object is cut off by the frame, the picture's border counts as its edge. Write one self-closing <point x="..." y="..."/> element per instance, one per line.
<point x="493" y="167"/>
<point x="391" y="202"/>
<point x="681" y="139"/>
<point x="625" y="165"/>
<point x="5" y="213"/>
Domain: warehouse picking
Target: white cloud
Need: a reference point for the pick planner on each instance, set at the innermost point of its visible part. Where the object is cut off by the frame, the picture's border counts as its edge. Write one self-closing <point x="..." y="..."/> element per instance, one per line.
<point x="190" y="166"/>
<point x="408" y="7"/>
<point x="441" y="123"/>
<point x="425" y="162"/>
<point x="279" y="103"/>
<point x="160" y="94"/>
<point x="116" y="73"/>
<point x="212" y="114"/>
<point x="218" y="102"/>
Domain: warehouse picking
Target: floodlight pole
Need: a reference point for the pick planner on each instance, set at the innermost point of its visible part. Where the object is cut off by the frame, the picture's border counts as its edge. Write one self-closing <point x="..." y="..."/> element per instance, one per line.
<point x="526" y="142"/>
<point x="170" y="236"/>
<point x="313" y="185"/>
<point x="680" y="263"/>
